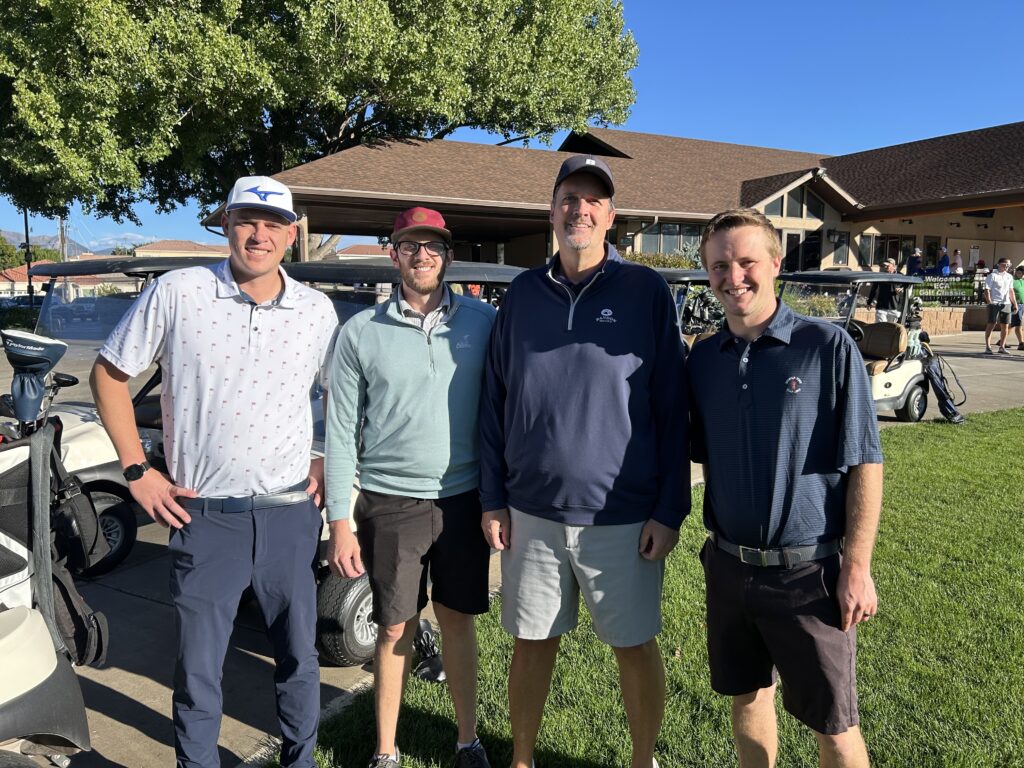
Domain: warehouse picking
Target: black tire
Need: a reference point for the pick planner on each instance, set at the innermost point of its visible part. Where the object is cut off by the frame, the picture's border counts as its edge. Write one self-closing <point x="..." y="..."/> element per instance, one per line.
<point x="14" y="760"/>
<point x="119" y="526"/>
<point x="345" y="631"/>
<point x="914" y="406"/>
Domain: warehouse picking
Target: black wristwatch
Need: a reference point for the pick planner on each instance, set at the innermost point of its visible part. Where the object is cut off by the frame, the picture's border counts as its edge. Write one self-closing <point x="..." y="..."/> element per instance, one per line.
<point x="135" y="471"/>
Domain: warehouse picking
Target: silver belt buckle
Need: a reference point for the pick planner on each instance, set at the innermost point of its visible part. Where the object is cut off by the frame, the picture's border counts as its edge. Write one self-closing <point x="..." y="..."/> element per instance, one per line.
<point x="760" y="556"/>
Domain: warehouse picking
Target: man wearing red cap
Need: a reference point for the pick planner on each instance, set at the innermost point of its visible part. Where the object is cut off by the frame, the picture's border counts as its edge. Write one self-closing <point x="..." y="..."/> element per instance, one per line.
<point x="405" y="388"/>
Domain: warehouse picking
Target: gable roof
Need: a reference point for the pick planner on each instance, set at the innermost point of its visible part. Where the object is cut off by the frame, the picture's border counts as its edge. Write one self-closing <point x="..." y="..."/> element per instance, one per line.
<point x="987" y="161"/>
<point x="483" y="188"/>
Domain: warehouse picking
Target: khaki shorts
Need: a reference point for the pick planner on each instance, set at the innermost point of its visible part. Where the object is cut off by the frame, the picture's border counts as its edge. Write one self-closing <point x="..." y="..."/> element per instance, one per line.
<point x="550" y="564"/>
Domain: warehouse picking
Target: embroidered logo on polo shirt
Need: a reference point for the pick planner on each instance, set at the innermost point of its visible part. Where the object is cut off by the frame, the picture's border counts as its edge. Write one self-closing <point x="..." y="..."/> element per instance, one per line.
<point x="794" y="384"/>
<point x="464" y="343"/>
<point x="605" y="317"/>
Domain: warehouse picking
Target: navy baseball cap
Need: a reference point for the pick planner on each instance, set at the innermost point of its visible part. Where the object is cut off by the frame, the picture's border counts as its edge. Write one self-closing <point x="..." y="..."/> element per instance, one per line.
<point x="587" y="164"/>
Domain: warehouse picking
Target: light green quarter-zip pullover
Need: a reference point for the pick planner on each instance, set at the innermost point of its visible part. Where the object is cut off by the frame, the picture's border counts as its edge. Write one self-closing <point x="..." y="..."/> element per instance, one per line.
<point x="403" y="403"/>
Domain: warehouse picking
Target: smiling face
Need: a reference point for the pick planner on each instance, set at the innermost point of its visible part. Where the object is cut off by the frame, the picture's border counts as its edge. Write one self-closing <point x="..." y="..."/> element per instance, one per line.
<point x="581" y="214"/>
<point x="258" y="240"/>
<point x="421" y="272"/>
<point x="742" y="270"/>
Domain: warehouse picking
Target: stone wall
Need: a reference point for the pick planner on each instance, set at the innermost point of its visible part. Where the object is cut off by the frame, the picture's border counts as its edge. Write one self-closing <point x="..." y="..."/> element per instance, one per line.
<point x="942" y="321"/>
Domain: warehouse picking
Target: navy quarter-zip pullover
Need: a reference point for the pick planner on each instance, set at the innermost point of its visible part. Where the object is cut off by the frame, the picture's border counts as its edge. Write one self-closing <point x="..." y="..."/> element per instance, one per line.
<point x="583" y="416"/>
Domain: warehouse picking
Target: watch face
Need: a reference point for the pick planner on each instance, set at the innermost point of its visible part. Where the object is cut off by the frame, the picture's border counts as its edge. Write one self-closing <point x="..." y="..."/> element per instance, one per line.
<point x="135" y="471"/>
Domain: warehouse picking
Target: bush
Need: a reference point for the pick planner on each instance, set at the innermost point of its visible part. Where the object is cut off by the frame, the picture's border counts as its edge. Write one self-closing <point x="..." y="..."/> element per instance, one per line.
<point x="21" y="319"/>
<point x="688" y="257"/>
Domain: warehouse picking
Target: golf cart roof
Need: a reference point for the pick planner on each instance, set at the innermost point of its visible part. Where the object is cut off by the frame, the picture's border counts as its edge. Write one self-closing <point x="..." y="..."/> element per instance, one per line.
<point x="370" y="270"/>
<point x="157" y="264"/>
<point x="379" y="269"/>
<point x="847" y="278"/>
<point x="675" y="276"/>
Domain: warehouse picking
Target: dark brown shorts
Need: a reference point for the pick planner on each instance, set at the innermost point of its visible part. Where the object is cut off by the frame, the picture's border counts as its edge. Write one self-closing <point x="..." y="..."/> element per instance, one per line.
<point x="763" y="620"/>
<point x="402" y="539"/>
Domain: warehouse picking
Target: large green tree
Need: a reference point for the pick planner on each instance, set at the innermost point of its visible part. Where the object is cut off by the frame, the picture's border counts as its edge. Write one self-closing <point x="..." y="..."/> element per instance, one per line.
<point x="109" y="102"/>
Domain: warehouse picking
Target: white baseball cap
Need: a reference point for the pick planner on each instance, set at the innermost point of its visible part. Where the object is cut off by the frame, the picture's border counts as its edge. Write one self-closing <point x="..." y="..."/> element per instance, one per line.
<point x="263" y="193"/>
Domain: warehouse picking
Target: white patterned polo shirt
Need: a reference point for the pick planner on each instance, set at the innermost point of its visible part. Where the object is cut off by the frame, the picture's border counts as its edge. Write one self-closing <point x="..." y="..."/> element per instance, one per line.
<point x="237" y="376"/>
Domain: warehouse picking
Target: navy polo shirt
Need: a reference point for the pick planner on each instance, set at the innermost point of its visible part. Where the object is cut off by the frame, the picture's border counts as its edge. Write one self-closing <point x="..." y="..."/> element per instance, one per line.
<point x="777" y="424"/>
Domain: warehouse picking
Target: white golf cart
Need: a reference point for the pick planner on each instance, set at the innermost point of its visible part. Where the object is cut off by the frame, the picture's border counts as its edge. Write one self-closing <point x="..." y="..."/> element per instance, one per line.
<point x="892" y="355"/>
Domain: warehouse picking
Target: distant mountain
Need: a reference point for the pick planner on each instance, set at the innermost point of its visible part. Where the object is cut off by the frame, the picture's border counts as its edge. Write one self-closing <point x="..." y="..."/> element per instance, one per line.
<point x="43" y="241"/>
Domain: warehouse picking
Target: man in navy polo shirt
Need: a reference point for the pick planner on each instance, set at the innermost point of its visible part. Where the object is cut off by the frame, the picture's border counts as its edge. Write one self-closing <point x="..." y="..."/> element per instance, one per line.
<point x="584" y="479"/>
<point x="783" y="421"/>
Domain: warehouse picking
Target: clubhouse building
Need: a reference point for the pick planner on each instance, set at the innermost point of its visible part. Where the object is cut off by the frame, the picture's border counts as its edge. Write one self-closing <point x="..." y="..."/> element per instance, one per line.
<point x="853" y="211"/>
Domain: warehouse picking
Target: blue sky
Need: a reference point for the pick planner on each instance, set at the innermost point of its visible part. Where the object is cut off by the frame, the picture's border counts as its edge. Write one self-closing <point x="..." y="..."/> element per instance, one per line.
<point x="814" y="76"/>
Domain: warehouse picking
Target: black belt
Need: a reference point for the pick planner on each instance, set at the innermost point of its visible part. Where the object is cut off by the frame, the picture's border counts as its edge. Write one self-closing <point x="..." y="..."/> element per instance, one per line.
<point x="787" y="556"/>
<point x="293" y="495"/>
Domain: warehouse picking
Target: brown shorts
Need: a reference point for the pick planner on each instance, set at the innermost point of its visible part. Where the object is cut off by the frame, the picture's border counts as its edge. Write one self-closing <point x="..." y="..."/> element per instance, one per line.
<point x="763" y="620"/>
<point x="402" y="539"/>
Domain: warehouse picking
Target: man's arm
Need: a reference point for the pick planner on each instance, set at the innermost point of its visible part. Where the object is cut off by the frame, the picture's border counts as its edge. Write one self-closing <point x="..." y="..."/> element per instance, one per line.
<point x="153" y="491"/>
<point x="496" y="522"/>
<point x="856" y="588"/>
<point x="342" y="424"/>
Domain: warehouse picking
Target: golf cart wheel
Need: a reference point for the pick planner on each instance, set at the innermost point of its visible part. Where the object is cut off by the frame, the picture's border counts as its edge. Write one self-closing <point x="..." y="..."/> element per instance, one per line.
<point x="116" y="519"/>
<point x="915" y="405"/>
<point x="346" y="632"/>
<point x="14" y="760"/>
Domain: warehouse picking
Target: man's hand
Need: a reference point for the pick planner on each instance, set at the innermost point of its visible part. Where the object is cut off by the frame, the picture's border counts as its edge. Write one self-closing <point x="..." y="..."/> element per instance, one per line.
<point x="316" y="482"/>
<point x="497" y="528"/>
<point x="156" y="494"/>
<point x="657" y="540"/>
<point x="855" y="592"/>
<point x="343" y="553"/>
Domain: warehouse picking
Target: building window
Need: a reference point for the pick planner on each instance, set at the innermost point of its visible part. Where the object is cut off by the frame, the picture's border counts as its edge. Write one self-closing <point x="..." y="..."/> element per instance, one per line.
<point x="774" y="208"/>
<point x="668" y="238"/>
<point x="841" y="254"/>
<point x="815" y="206"/>
<point x="864" y="250"/>
<point x="795" y="203"/>
<point x="931" y="251"/>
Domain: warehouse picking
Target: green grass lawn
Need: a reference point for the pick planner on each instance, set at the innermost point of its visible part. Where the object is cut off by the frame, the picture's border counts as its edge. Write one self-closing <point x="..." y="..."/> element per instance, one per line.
<point x="941" y="668"/>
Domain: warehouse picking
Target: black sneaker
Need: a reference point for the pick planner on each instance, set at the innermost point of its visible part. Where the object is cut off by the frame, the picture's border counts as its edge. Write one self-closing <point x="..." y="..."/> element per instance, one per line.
<point x="472" y="756"/>
<point x="383" y="761"/>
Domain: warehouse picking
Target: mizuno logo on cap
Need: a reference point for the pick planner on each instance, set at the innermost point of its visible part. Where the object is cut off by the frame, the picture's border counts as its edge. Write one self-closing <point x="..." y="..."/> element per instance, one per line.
<point x="262" y="194"/>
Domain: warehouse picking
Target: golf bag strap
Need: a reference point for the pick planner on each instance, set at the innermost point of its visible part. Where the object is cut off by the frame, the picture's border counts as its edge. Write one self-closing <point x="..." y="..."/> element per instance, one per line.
<point x="40" y="447"/>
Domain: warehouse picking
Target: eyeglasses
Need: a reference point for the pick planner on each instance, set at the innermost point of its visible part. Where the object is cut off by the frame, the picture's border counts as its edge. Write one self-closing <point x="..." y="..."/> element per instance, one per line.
<point x="411" y="248"/>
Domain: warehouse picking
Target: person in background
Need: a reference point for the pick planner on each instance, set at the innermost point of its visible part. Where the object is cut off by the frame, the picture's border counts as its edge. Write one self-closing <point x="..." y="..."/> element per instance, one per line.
<point x="1017" y="321"/>
<point x="1002" y="304"/>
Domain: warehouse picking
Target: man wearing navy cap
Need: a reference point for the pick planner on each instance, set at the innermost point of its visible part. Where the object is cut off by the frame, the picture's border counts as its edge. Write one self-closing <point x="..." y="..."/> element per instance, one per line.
<point x="584" y="478"/>
<point x="783" y="421"/>
<point x="405" y="389"/>
<point x="239" y="344"/>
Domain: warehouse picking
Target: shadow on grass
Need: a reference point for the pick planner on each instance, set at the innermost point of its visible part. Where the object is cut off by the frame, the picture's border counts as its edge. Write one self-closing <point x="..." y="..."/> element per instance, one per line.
<point x="426" y="739"/>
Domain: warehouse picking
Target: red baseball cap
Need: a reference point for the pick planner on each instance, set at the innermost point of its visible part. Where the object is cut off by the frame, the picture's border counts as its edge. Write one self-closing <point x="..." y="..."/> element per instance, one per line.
<point x="419" y="218"/>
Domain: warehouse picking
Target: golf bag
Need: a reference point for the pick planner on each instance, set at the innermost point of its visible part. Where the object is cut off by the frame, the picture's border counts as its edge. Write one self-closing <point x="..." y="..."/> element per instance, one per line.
<point x="934" y="370"/>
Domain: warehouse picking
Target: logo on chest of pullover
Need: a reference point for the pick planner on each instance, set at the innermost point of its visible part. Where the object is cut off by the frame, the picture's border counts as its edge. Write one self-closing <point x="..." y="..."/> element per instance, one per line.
<point x="605" y="317"/>
<point x="794" y="384"/>
<point x="464" y="343"/>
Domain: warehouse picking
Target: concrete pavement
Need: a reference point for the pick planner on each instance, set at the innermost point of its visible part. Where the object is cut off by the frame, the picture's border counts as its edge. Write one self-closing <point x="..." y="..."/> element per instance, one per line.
<point x="129" y="700"/>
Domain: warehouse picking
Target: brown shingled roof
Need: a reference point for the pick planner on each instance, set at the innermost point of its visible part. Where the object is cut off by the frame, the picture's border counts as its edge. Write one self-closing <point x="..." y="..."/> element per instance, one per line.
<point x="363" y="249"/>
<point x="183" y="245"/>
<point x="988" y="160"/>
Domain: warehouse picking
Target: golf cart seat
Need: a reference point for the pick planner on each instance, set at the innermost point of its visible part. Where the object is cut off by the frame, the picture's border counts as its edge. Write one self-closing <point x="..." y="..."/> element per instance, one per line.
<point x="148" y="413"/>
<point x="880" y="344"/>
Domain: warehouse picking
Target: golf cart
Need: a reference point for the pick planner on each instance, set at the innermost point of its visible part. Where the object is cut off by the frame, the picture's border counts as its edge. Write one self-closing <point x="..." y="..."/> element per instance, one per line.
<point x="699" y="313"/>
<point x="345" y="633"/>
<point x="894" y="360"/>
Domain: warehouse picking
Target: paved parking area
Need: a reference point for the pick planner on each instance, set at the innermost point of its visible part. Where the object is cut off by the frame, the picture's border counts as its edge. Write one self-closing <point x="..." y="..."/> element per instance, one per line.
<point x="129" y="700"/>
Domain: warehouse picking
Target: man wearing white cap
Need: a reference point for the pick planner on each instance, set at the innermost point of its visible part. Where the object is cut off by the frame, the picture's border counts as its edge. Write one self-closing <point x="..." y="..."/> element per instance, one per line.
<point x="239" y="344"/>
